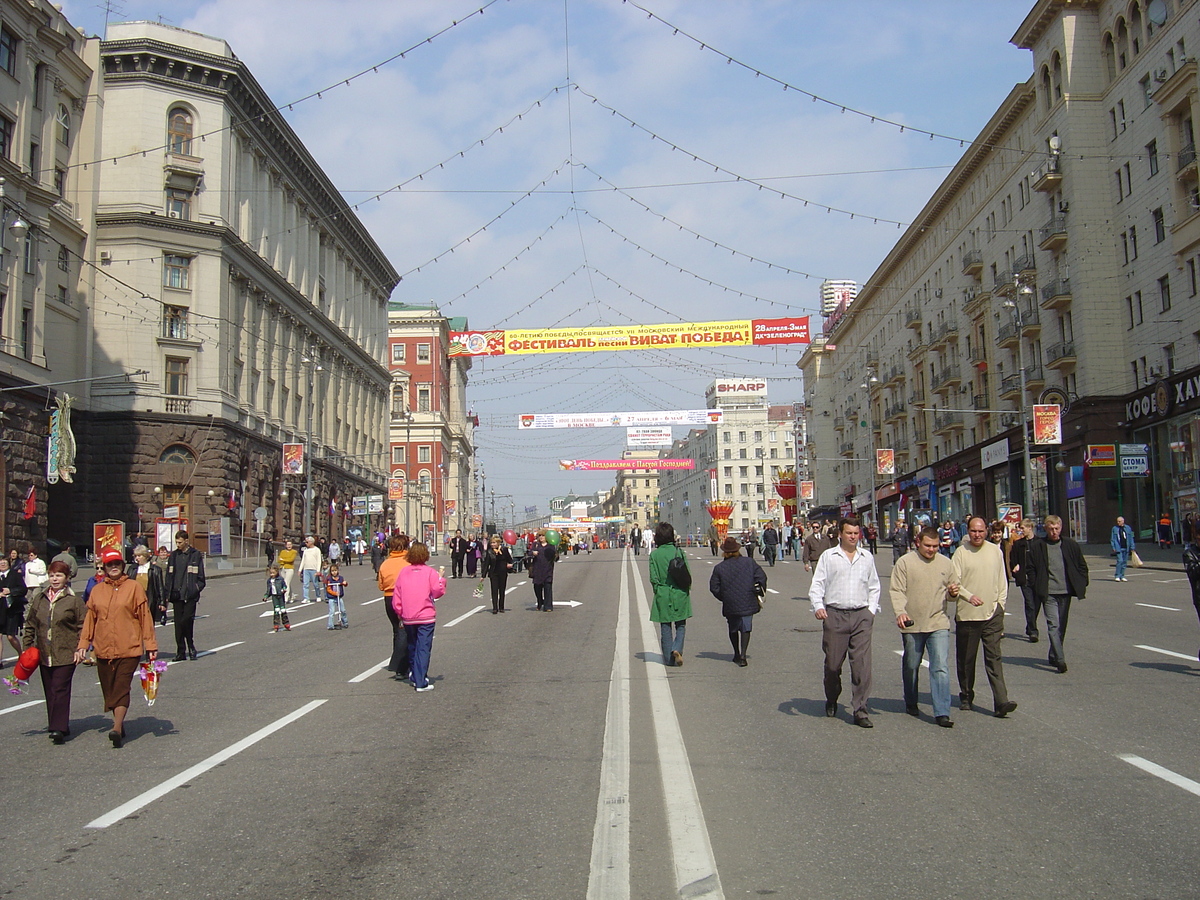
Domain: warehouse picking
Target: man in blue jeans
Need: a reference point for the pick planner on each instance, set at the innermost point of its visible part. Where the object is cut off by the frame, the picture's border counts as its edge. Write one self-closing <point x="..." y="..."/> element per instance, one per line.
<point x="919" y="582"/>
<point x="1122" y="545"/>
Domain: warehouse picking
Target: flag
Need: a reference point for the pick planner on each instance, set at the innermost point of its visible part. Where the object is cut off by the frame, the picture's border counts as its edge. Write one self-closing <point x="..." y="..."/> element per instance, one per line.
<point x="30" y="503"/>
<point x="332" y="508"/>
<point x="232" y="505"/>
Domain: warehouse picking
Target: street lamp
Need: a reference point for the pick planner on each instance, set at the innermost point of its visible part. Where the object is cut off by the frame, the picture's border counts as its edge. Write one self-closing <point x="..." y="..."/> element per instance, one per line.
<point x="870" y="380"/>
<point x="1015" y="309"/>
<point x="313" y="367"/>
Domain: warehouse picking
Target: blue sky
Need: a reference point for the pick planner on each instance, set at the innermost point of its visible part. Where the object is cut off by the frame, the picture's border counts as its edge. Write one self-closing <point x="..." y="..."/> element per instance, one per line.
<point x="576" y="252"/>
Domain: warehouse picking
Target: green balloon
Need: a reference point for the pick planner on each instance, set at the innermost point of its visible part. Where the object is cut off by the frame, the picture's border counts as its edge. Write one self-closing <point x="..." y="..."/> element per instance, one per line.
<point x="553" y="537"/>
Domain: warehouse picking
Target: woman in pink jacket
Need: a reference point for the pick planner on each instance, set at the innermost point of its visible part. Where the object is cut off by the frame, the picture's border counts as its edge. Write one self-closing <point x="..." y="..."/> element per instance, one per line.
<point x="417" y="586"/>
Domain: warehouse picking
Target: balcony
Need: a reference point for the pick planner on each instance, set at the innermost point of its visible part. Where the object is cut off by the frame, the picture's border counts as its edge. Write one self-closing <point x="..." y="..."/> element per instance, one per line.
<point x="1031" y="323"/>
<point x="944" y="423"/>
<point x="895" y="411"/>
<point x="1053" y="235"/>
<point x="916" y="349"/>
<point x="1010" y="386"/>
<point x="975" y="300"/>
<point x="947" y="378"/>
<point x="1185" y="162"/>
<point x="913" y="317"/>
<point x="972" y="262"/>
<point x="1007" y="336"/>
<point x="846" y="448"/>
<point x="944" y="334"/>
<point x="839" y="423"/>
<point x="1057" y="294"/>
<point x="1035" y="378"/>
<point x="916" y="399"/>
<point x="1061" y="355"/>
<point x="180" y="405"/>
<point x="920" y="432"/>
<point x="896" y="375"/>
<point x="1048" y="176"/>
<point x="1006" y="283"/>
<point x="1025" y="265"/>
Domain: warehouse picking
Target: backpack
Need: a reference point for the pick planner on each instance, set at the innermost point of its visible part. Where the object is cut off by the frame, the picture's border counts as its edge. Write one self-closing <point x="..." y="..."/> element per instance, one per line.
<point x="678" y="574"/>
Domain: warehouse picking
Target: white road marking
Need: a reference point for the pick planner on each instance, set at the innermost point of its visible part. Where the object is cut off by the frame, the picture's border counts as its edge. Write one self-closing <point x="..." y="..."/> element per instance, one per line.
<point x="161" y="790"/>
<point x="371" y="671"/>
<point x="5" y="712"/>
<point x="1186" y="656"/>
<point x="1168" y="580"/>
<point x="1174" y="778"/>
<point x="769" y="591"/>
<point x="571" y="603"/>
<point x="321" y="618"/>
<point x="924" y="662"/>
<point x="1153" y="606"/>
<point x="465" y="615"/>
<point x="288" y="609"/>
<point x="212" y="651"/>
<point x="369" y="602"/>
<point x="691" y="848"/>
<point x="609" y="875"/>
<point x="250" y="605"/>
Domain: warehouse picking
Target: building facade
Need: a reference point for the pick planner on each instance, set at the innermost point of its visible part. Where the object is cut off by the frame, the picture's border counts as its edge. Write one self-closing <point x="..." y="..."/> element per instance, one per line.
<point x="1055" y="263"/>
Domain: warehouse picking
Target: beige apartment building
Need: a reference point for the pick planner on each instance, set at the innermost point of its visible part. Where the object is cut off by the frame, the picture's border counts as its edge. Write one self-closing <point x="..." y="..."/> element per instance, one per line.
<point x="1056" y="263"/>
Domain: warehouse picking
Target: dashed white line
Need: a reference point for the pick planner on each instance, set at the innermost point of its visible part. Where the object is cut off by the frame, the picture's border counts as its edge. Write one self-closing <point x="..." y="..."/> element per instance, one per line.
<point x="1155" y="606"/>
<point x="465" y="615"/>
<point x="1174" y="778"/>
<point x="371" y="671"/>
<point x="769" y="591"/>
<point x="5" y="712"/>
<point x="161" y="790"/>
<point x="369" y="602"/>
<point x="204" y="653"/>
<point x="1186" y="656"/>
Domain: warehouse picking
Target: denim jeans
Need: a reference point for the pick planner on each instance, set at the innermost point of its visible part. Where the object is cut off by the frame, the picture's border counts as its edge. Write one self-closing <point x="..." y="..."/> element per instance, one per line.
<point x="1122" y="562"/>
<point x="937" y="645"/>
<point x="672" y="642"/>
<point x="420" y="643"/>
<point x="337" y="613"/>
<point x="309" y="579"/>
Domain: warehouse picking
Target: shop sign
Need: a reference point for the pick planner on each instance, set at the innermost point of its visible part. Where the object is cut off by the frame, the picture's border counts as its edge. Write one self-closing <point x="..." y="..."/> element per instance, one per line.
<point x="1157" y="400"/>
<point x="994" y="454"/>
<point x="946" y="472"/>
<point x="1101" y="455"/>
<point x="1074" y="482"/>
<point x="963" y="484"/>
<point x="1134" y="466"/>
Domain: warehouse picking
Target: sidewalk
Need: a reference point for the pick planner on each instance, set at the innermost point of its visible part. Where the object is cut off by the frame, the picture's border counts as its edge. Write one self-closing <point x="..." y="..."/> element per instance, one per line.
<point x="1100" y="557"/>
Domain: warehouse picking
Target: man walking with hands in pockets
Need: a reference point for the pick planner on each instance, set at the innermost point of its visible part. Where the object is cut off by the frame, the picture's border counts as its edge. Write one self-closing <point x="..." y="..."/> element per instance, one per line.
<point x="845" y="597"/>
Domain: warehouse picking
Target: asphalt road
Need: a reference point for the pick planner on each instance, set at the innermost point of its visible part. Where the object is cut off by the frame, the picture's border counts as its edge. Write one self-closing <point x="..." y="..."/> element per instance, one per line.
<point x="558" y="758"/>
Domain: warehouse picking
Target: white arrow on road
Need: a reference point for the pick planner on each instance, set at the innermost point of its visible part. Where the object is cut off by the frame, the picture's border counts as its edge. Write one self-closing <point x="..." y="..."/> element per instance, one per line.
<point x="567" y="603"/>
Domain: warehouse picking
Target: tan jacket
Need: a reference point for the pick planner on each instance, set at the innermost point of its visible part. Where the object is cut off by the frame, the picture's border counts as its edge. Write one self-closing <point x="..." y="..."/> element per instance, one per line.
<point x="118" y="623"/>
<point x="918" y="590"/>
<point x="54" y="632"/>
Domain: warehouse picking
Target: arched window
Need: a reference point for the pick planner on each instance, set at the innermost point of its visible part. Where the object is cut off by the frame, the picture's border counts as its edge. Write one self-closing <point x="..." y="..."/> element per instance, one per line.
<point x="179" y="131"/>
<point x="64" y="124"/>
<point x="1110" y="57"/>
<point x="1135" y="29"/>
<point x="1047" y="93"/>
<point x="1122" y="45"/>
<point x="177" y="455"/>
<point x="1056" y="77"/>
<point x="64" y="258"/>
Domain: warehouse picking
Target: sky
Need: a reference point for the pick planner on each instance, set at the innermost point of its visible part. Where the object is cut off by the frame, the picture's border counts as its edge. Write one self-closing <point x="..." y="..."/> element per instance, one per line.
<point x="597" y="162"/>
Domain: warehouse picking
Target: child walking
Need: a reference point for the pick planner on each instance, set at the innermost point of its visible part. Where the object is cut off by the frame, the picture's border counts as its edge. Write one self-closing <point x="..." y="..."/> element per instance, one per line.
<point x="277" y="594"/>
<point x="335" y="592"/>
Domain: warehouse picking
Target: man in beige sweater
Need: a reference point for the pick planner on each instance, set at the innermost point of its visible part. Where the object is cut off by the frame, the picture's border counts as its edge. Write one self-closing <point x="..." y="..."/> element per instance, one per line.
<point x="981" y="588"/>
<point x="919" y="583"/>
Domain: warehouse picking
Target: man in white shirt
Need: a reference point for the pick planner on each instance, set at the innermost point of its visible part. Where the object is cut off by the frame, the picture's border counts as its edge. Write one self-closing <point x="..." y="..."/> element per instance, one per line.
<point x="845" y="597"/>
<point x="310" y="566"/>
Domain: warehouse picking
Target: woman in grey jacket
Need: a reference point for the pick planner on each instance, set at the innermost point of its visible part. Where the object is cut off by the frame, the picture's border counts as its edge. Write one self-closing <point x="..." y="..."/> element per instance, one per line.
<point x="738" y="581"/>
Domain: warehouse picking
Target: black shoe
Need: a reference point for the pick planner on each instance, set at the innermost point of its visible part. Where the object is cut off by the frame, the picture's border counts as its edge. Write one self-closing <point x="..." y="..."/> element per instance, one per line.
<point x="863" y="722"/>
<point x="1062" y="668"/>
<point x="1004" y="709"/>
<point x="966" y="705"/>
<point x="743" y="662"/>
<point x="191" y="653"/>
<point x="117" y="738"/>
<point x="913" y="711"/>
<point x="495" y="612"/>
<point x="179" y="657"/>
<point x="1033" y="638"/>
<point x="944" y="722"/>
<point x="57" y="737"/>
<point x="830" y="708"/>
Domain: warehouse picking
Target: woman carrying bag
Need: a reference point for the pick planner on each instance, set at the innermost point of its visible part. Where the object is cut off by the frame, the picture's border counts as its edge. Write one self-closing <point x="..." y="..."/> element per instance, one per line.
<point x="739" y="583"/>
<point x="672" y="605"/>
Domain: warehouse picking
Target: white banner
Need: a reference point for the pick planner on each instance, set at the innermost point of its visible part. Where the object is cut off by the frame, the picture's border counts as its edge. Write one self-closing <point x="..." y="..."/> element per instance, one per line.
<point x="648" y="437"/>
<point x="620" y="419"/>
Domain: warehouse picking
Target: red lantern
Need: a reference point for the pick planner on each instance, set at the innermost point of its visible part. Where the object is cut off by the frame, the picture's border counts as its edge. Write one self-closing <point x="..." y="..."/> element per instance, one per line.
<point x="785" y="487"/>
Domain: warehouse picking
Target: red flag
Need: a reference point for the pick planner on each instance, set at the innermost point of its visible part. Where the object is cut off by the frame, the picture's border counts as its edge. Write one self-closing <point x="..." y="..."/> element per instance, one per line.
<point x="30" y="503"/>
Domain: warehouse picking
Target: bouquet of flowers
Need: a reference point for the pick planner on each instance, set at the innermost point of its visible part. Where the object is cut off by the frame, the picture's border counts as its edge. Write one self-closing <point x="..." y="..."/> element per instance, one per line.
<point x="478" y="592"/>
<point x="149" y="673"/>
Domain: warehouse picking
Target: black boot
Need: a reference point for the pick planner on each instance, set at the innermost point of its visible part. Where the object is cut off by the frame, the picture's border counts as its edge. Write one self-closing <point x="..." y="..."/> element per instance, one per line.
<point x="180" y="654"/>
<point x="191" y="650"/>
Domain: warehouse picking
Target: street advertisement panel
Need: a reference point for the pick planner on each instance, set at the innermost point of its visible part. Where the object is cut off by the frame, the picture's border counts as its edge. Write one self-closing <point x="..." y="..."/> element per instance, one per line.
<point x="641" y="438"/>
<point x="594" y="465"/>
<point x="396" y="487"/>
<point x="806" y="490"/>
<point x="218" y="536"/>
<point x="358" y="506"/>
<point x="375" y="503"/>
<point x="164" y="532"/>
<point x="293" y="459"/>
<point x="476" y="520"/>
<point x="451" y="509"/>
<point x="108" y="534"/>
<point x="1009" y="514"/>
<point x="1047" y="423"/>
<point x="675" y="335"/>
<point x="885" y="461"/>
<point x="620" y="419"/>
<point x="1101" y="456"/>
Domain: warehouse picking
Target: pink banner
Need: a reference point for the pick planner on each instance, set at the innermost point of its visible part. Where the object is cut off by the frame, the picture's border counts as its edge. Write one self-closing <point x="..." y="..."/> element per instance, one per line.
<point x="592" y="465"/>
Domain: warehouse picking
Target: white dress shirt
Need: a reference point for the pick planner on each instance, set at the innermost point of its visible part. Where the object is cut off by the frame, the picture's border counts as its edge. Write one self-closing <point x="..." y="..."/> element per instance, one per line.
<point x="842" y="581"/>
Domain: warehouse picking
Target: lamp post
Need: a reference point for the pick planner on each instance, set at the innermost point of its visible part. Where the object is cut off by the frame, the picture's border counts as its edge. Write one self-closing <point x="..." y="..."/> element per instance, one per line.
<point x="313" y="367"/>
<point x="872" y="379"/>
<point x="1015" y="309"/>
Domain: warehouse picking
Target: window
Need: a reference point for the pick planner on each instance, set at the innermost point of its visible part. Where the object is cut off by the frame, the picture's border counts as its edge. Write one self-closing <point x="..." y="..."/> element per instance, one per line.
<point x="399" y="456"/>
<point x="727" y="436"/>
<point x="744" y="490"/>
<point x="758" y="437"/>
<point x="179" y="204"/>
<point x="35" y="160"/>
<point x="7" y="127"/>
<point x="175" y="322"/>
<point x="1169" y="360"/>
<point x="179" y="131"/>
<point x="63" y="120"/>
<point x="728" y="490"/>
<point x="1120" y="186"/>
<point x="744" y="471"/>
<point x="60" y="182"/>
<point x="1146" y="90"/>
<point x="1160" y="228"/>
<point x="422" y="353"/>
<point x="27" y="333"/>
<point x="742" y="453"/>
<point x="8" y="51"/>
<point x="1164" y="292"/>
<point x="424" y="392"/>
<point x="1152" y="156"/>
<point x="176" y="270"/>
<point x="1121" y="115"/>
<point x="397" y="353"/>
<point x="64" y="295"/>
<point x="180" y="496"/>
<point x="425" y="453"/>
<point x="1133" y="242"/>
<point x="728" y="454"/>
<point x="30" y="256"/>
<point x="774" y="453"/>
<point x="1191" y="274"/>
<point x="177" y="455"/>
<point x="729" y="471"/>
<point x="741" y="437"/>
<point x="1124" y="249"/>
<point x="176" y="381"/>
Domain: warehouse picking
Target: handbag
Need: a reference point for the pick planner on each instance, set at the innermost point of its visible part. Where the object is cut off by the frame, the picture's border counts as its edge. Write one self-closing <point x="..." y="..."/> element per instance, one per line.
<point x="678" y="574"/>
<point x="1135" y="560"/>
<point x="760" y="591"/>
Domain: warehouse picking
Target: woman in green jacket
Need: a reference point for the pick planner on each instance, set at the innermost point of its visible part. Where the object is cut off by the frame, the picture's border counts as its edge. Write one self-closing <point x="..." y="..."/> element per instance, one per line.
<point x="672" y="605"/>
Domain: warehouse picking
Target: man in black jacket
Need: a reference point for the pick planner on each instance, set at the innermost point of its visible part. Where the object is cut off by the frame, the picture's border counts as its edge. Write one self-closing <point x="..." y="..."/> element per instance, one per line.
<point x="458" y="553"/>
<point x="185" y="580"/>
<point x="1057" y="570"/>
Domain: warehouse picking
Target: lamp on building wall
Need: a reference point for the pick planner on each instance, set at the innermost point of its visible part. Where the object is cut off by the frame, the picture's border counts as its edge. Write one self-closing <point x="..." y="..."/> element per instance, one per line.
<point x="1026" y="476"/>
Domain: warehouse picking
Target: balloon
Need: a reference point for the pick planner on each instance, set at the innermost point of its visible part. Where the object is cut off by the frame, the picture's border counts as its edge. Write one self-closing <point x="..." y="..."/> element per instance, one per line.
<point x="510" y="536"/>
<point x="553" y="538"/>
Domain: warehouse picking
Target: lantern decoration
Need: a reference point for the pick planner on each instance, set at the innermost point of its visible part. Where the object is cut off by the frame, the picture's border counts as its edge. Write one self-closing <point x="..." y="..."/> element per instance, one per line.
<point x="720" y="513"/>
<point x="785" y="487"/>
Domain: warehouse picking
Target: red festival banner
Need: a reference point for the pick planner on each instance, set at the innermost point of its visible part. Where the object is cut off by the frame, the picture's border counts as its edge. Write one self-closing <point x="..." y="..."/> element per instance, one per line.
<point x="293" y="459"/>
<point x="593" y="465"/>
<point x="737" y="333"/>
<point x="1047" y="423"/>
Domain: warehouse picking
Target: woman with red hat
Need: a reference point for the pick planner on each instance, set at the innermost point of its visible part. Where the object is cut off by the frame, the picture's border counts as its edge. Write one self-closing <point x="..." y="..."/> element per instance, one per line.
<point x="53" y="621"/>
<point x="120" y="628"/>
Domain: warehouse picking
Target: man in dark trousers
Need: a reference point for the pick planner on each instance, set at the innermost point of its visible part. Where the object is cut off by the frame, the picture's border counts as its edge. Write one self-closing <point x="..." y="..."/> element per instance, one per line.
<point x="185" y="580"/>
<point x="1058" y="572"/>
<point x="458" y="553"/>
<point x="635" y="538"/>
<point x="770" y="543"/>
<point x="817" y="542"/>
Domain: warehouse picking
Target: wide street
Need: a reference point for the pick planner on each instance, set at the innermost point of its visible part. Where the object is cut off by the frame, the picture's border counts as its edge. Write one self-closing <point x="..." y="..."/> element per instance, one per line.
<point x="557" y="758"/>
